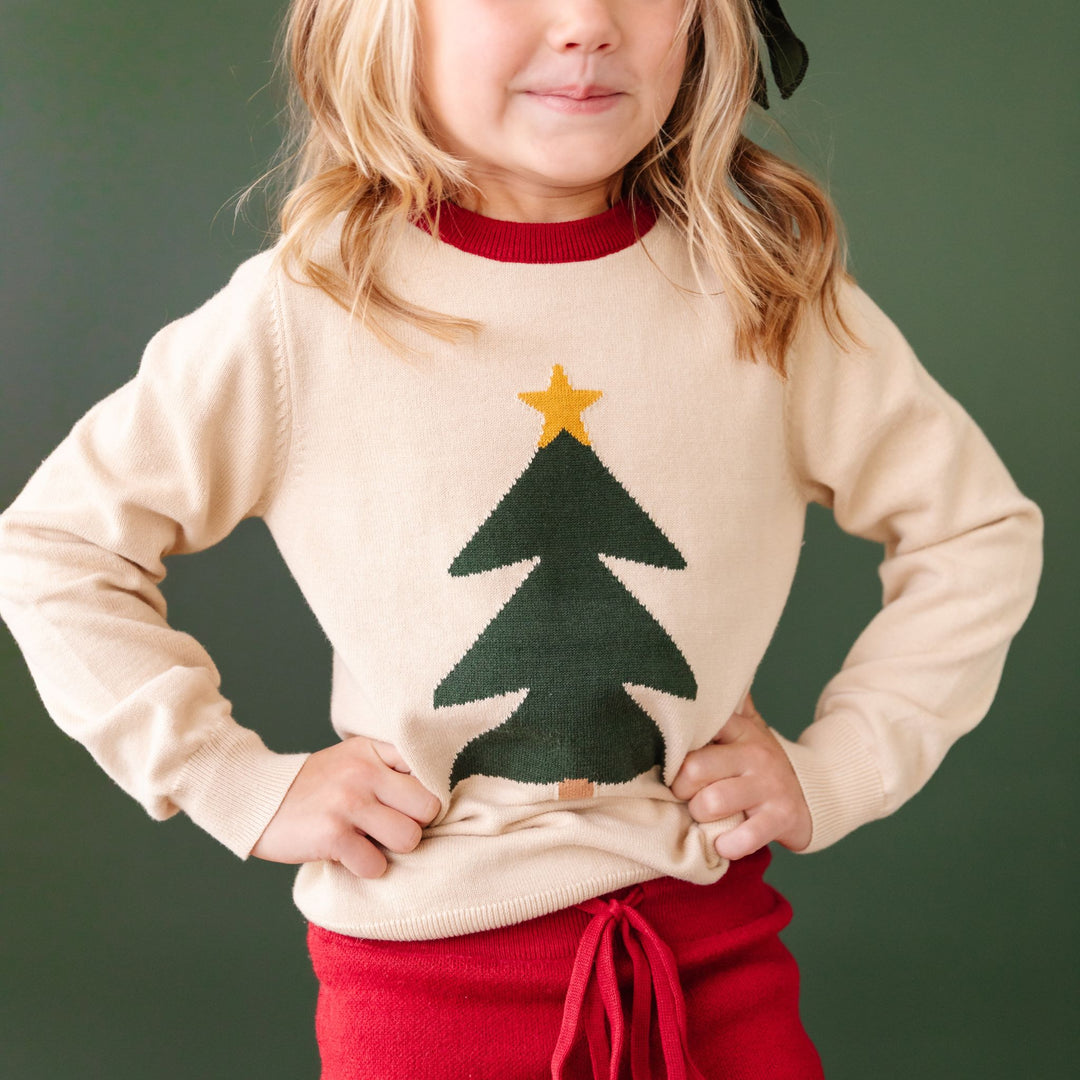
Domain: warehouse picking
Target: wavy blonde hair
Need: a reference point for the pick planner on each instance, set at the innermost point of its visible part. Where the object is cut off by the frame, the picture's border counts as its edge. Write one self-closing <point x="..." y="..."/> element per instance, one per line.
<point x="360" y="146"/>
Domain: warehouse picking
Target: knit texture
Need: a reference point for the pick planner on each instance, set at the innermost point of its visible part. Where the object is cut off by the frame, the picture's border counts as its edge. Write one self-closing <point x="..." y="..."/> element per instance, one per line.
<point x="548" y="557"/>
<point x="543" y="241"/>
<point x="492" y="1006"/>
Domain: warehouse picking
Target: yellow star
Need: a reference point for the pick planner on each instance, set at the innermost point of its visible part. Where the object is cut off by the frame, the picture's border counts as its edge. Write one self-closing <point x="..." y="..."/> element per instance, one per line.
<point x="562" y="407"/>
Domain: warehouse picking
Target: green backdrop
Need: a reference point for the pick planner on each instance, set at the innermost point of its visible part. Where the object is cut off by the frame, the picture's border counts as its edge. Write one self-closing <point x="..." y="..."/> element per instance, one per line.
<point x="939" y="943"/>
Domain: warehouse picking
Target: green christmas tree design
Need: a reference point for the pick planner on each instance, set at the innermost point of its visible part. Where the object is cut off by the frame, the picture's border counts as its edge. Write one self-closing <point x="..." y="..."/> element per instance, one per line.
<point x="571" y="634"/>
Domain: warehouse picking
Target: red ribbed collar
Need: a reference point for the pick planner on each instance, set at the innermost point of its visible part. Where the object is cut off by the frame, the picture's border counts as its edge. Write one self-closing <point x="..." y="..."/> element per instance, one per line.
<point x="543" y="242"/>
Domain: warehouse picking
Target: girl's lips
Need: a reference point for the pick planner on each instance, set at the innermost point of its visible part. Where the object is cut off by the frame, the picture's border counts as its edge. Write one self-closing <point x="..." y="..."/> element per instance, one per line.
<point x="577" y="102"/>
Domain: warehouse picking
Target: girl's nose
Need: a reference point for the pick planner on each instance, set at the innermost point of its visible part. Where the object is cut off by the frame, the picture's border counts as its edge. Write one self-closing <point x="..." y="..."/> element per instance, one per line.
<point x="583" y="26"/>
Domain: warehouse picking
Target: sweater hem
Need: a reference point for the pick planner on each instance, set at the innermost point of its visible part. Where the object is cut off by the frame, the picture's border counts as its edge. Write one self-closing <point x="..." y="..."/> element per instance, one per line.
<point x="472" y="920"/>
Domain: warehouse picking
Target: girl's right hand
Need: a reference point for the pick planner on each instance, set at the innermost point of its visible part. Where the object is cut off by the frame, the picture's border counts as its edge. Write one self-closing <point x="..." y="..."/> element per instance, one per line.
<point x="356" y="789"/>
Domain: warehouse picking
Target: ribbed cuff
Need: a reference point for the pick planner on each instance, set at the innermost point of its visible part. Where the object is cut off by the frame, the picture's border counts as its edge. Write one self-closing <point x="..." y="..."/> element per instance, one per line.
<point x="839" y="778"/>
<point x="233" y="785"/>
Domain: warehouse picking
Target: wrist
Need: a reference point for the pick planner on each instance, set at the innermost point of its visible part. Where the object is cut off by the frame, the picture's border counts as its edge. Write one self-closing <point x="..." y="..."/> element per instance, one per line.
<point x="233" y="785"/>
<point x="840" y="781"/>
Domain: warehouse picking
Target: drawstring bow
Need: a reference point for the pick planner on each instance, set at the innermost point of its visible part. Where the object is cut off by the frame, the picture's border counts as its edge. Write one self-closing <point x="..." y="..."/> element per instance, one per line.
<point x="654" y="968"/>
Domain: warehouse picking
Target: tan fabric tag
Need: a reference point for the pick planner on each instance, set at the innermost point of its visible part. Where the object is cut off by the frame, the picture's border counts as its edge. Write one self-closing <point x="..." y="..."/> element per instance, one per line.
<point x="576" y="789"/>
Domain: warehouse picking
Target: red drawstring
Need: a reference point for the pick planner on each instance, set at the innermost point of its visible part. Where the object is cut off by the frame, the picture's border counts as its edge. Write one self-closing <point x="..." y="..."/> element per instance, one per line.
<point x="654" y="966"/>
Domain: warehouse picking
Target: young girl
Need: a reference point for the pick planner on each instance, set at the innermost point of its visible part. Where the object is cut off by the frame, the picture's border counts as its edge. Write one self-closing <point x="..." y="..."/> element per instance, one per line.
<point x="532" y="394"/>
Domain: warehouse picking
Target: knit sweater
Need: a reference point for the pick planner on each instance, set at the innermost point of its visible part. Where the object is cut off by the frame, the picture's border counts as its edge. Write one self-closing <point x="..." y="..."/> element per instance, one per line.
<point x="548" y="557"/>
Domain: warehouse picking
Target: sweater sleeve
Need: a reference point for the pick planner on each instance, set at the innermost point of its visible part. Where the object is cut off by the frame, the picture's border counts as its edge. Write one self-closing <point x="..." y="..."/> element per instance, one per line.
<point x="899" y="462"/>
<point x="167" y="464"/>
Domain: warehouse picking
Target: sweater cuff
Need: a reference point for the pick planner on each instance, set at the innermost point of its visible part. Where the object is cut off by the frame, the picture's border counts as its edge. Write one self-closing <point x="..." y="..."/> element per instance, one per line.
<point x="839" y="778"/>
<point x="233" y="785"/>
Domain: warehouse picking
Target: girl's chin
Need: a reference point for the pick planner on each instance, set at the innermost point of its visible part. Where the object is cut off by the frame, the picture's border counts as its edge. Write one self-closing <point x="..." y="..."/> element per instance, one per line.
<point x="567" y="166"/>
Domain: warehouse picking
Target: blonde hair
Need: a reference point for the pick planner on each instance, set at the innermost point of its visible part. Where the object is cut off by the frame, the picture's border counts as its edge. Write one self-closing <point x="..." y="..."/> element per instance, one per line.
<point x="360" y="147"/>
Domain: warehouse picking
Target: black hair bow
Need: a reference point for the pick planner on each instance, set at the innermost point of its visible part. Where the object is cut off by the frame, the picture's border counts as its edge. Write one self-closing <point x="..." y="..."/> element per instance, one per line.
<point x="788" y="57"/>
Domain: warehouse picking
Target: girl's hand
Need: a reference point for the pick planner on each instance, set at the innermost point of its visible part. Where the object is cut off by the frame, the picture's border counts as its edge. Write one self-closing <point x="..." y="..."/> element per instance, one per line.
<point x="343" y="795"/>
<point x="744" y="768"/>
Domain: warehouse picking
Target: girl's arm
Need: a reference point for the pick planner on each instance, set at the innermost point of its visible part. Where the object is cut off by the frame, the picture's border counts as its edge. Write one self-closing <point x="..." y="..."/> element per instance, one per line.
<point x="167" y="464"/>
<point x="875" y="438"/>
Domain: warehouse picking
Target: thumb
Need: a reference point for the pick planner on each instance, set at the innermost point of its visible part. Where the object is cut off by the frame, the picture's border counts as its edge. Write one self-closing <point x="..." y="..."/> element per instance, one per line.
<point x="359" y="855"/>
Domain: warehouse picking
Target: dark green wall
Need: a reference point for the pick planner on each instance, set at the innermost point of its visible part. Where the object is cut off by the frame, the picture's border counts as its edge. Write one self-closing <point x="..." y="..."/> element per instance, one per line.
<point x="939" y="943"/>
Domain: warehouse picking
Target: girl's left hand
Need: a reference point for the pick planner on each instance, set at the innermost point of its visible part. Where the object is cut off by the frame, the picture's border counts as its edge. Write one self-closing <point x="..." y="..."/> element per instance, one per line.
<point x="745" y="769"/>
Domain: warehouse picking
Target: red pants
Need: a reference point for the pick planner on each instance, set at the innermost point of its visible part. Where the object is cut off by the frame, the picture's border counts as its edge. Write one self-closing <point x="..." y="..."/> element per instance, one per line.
<point x="664" y="979"/>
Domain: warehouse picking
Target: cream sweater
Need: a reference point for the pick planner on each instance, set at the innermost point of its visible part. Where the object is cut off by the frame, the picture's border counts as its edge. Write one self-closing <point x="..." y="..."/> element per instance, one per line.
<point x="548" y="558"/>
